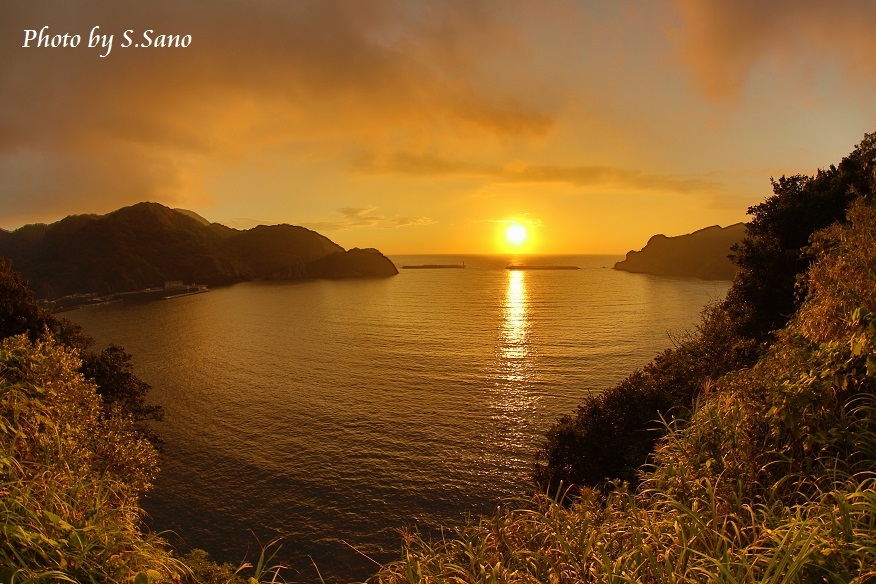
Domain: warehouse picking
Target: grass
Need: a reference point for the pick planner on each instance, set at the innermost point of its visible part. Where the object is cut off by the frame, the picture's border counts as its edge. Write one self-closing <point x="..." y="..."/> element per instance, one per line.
<point x="70" y="477"/>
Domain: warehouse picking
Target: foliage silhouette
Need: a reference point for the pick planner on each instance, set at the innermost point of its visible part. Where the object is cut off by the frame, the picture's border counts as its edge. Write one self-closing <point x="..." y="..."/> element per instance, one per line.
<point x="612" y="434"/>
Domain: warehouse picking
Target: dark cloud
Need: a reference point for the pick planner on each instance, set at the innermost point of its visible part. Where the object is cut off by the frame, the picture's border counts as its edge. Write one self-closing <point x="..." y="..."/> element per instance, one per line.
<point x="720" y="41"/>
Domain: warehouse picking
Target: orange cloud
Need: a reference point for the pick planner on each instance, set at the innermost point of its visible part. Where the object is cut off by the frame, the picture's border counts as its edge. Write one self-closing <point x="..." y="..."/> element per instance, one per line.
<point x="522" y="172"/>
<point x="357" y="217"/>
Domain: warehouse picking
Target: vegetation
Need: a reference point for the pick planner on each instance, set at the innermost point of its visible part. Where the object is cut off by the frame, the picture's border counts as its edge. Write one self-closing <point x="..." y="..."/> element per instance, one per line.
<point x="770" y="479"/>
<point x="612" y="434"/>
<point x="776" y="251"/>
<point x="148" y="244"/>
<point x="73" y="463"/>
<point x="110" y="369"/>
<point x="71" y="476"/>
<point x="759" y="433"/>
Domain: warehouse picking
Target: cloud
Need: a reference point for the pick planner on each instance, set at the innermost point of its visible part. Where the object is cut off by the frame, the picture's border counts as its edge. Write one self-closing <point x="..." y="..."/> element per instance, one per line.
<point x="721" y="42"/>
<point x="526" y="218"/>
<point x="606" y="176"/>
<point x="353" y="217"/>
<point x="358" y="213"/>
<point x="523" y="172"/>
<point x="405" y="221"/>
<point x="358" y="217"/>
<point x="157" y="123"/>
<point x="411" y="164"/>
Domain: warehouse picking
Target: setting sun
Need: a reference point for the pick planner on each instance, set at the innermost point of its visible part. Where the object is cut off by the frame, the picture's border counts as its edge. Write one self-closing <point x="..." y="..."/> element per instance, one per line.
<point x="516" y="234"/>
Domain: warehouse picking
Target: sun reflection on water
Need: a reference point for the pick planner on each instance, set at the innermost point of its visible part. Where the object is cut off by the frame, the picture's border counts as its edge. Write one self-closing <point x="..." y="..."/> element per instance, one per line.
<point x="515" y="399"/>
<point x="515" y="325"/>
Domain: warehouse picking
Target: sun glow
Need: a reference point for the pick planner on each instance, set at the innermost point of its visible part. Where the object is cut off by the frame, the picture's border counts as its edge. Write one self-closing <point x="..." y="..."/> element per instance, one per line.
<point x="516" y="234"/>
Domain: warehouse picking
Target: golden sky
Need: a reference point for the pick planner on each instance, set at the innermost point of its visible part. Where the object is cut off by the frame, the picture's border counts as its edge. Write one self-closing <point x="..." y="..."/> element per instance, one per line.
<point x="425" y="126"/>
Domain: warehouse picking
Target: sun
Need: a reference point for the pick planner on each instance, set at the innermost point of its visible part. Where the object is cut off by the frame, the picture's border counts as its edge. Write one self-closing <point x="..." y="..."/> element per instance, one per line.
<point x="516" y="234"/>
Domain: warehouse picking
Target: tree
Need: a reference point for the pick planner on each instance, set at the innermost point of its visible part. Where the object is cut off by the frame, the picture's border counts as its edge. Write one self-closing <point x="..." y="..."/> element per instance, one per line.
<point x="776" y="252"/>
<point x="19" y="311"/>
<point x="611" y="435"/>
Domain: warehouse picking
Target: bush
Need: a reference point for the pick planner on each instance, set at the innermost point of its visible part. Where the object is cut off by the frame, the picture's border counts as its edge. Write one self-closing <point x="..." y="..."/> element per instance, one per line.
<point x="842" y="280"/>
<point x="613" y="433"/>
<point x="776" y="251"/>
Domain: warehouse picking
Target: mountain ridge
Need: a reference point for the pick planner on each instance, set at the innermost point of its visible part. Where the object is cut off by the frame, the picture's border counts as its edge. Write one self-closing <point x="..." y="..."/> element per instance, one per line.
<point x="147" y="244"/>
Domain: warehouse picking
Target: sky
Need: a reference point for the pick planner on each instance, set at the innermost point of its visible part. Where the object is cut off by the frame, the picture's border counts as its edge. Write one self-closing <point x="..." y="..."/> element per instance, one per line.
<point x="429" y="126"/>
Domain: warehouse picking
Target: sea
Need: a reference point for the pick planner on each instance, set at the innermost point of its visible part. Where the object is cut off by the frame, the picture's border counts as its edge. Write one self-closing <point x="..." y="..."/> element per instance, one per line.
<point x="338" y="414"/>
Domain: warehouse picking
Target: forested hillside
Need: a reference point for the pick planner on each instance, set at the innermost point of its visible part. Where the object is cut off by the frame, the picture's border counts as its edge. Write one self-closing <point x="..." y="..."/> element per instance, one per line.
<point x="148" y="244"/>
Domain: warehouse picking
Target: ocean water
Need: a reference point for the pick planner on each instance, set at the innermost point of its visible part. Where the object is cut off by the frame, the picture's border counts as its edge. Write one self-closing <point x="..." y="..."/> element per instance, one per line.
<point x="335" y="414"/>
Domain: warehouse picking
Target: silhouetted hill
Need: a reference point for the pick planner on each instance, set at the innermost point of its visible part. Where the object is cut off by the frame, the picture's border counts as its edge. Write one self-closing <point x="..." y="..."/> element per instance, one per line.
<point x="281" y="251"/>
<point x="148" y="244"/>
<point x="701" y="254"/>
<point x="354" y="263"/>
<point x="193" y="215"/>
<point x="222" y="231"/>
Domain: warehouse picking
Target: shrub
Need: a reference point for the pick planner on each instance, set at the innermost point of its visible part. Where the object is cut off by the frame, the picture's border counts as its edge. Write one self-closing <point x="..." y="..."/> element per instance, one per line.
<point x="613" y="433"/>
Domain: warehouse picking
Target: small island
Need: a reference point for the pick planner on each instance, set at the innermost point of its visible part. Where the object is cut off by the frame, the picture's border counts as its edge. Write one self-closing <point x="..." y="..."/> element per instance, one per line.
<point x="436" y="267"/>
<point x="537" y="267"/>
